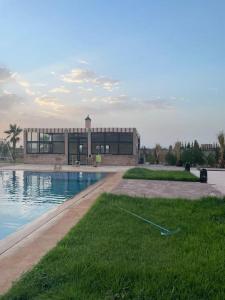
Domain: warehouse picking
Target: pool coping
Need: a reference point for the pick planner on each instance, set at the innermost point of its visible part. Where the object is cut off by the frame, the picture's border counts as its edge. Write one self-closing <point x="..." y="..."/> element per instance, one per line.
<point x="24" y="248"/>
<point x="27" y="229"/>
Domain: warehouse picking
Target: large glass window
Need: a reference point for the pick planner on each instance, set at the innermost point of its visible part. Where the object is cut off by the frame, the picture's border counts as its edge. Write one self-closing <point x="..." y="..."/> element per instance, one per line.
<point x="58" y="147"/>
<point x="126" y="148"/>
<point x="58" y="137"/>
<point x="112" y="143"/>
<point x="32" y="136"/>
<point x="45" y="148"/>
<point x="32" y="147"/>
<point x="45" y="137"/>
<point x="49" y="143"/>
<point x="126" y="137"/>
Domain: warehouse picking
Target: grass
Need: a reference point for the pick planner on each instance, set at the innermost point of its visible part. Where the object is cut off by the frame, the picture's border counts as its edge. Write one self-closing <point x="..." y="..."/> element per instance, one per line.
<point x="143" y="173"/>
<point x="113" y="255"/>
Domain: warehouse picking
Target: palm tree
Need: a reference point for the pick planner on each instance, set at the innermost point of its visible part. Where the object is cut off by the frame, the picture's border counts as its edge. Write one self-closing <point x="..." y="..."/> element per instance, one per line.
<point x="13" y="136"/>
<point x="221" y="140"/>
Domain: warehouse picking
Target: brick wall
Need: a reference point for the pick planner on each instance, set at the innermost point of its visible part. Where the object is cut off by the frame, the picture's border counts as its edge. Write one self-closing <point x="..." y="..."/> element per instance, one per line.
<point x="60" y="159"/>
<point x="119" y="160"/>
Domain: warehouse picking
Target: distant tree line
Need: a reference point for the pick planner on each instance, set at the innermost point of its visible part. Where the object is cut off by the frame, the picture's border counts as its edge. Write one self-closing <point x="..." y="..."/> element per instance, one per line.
<point x="181" y="153"/>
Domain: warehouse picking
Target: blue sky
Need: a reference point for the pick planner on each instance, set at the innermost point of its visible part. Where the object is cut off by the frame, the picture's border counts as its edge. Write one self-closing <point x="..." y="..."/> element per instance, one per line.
<point x="155" y="65"/>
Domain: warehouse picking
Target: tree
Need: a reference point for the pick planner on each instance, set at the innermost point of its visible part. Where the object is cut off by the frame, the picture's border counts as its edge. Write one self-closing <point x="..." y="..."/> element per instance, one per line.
<point x="221" y="140"/>
<point x="13" y="136"/>
<point x="170" y="157"/>
<point x="198" y="157"/>
<point x="193" y="154"/>
<point x="211" y="159"/>
<point x="177" y="151"/>
<point x="157" y="153"/>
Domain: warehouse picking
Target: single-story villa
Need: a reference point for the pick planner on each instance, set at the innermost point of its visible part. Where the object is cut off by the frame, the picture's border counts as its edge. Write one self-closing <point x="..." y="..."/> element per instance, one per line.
<point x="117" y="146"/>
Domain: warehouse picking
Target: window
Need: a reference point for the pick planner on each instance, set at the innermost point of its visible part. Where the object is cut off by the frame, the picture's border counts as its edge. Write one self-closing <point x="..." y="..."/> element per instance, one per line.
<point x="32" y="136"/>
<point x="98" y="137"/>
<point x="112" y="137"/>
<point x="126" y="148"/>
<point x="58" y="147"/>
<point x="112" y="143"/>
<point x="32" y="147"/>
<point x="58" y="137"/>
<point x="126" y="137"/>
<point x="49" y="143"/>
<point x="107" y="148"/>
<point x="81" y="148"/>
<point x="45" y="137"/>
<point x="45" y="148"/>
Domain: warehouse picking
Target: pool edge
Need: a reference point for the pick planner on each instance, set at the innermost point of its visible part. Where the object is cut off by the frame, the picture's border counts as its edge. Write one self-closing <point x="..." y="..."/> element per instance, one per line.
<point x="18" y="253"/>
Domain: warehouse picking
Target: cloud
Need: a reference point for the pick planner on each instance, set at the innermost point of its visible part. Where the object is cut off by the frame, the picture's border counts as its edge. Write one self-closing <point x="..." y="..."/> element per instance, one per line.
<point x="49" y="102"/>
<point x="106" y="83"/>
<point x="129" y="103"/>
<point x="8" y="100"/>
<point x="26" y="86"/>
<point x="82" y="62"/>
<point x="5" y="74"/>
<point x="60" y="89"/>
<point x="81" y="76"/>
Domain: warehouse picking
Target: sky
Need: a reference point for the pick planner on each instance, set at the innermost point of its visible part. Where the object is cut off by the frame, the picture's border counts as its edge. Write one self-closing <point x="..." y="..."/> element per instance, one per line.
<point x="158" y="66"/>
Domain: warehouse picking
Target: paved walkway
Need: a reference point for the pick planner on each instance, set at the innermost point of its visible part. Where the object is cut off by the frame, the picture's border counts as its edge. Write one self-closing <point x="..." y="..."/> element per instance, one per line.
<point x="166" y="189"/>
<point x="19" y="253"/>
<point x="65" y="168"/>
<point x="215" y="178"/>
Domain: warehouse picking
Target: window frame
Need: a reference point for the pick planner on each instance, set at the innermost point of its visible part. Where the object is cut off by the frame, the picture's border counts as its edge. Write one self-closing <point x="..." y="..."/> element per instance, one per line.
<point x="49" y="142"/>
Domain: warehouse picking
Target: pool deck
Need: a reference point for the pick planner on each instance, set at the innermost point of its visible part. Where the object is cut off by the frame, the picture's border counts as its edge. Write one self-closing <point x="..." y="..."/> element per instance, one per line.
<point x="22" y="250"/>
<point x="63" y="168"/>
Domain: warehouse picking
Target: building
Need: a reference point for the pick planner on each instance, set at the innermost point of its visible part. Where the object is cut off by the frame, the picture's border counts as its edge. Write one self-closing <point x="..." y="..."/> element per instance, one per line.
<point x="117" y="146"/>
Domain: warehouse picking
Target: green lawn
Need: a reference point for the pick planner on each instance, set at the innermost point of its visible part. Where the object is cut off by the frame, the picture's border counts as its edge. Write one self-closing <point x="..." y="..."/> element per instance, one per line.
<point x="113" y="255"/>
<point x="142" y="173"/>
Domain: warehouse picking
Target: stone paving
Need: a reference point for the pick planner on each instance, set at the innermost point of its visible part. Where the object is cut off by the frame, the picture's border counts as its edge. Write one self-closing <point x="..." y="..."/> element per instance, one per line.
<point x="64" y="168"/>
<point x="167" y="189"/>
<point x="215" y="178"/>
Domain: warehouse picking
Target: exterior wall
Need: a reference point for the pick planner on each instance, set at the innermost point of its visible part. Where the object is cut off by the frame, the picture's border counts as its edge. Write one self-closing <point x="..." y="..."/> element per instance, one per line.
<point x="59" y="159"/>
<point x="107" y="159"/>
<point x="118" y="160"/>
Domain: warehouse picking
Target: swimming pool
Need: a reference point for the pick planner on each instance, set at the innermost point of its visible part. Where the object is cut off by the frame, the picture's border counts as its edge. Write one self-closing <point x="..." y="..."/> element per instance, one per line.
<point x="26" y="195"/>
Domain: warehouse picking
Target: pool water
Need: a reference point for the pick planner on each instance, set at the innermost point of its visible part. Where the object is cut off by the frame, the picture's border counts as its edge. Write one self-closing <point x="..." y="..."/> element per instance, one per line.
<point x="26" y="195"/>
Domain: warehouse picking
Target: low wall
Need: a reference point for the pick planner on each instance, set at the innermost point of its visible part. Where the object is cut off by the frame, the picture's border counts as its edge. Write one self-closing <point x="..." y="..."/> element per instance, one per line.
<point x="50" y="159"/>
<point x="61" y="159"/>
<point x="119" y="160"/>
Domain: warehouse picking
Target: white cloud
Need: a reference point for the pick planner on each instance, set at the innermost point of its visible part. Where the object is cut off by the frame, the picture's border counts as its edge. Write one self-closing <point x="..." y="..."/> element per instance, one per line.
<point x="49" y="102"/>
<point x="81" y="76"/>
<point x="82" y="62"/>
<point x="60" y="89"/>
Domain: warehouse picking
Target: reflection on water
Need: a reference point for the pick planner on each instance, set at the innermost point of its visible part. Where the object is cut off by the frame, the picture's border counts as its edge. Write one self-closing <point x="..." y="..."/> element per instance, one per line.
<point x="25" y="195"/>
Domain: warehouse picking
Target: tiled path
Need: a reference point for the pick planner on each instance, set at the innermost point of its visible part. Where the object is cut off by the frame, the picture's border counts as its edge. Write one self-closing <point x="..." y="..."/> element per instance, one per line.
<point x="167" y="189"/>
<point x="216" y="178"/>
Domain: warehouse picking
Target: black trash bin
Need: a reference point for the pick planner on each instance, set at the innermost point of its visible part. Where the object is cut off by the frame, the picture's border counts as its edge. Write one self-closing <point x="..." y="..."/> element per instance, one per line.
<point x="141" y="160"/>
<point x="188" y="167"/>
<point x="203" y="176"/>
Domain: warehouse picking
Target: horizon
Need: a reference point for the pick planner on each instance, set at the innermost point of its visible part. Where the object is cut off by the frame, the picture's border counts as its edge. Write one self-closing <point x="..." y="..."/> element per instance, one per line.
<point x="158" y="67"/>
